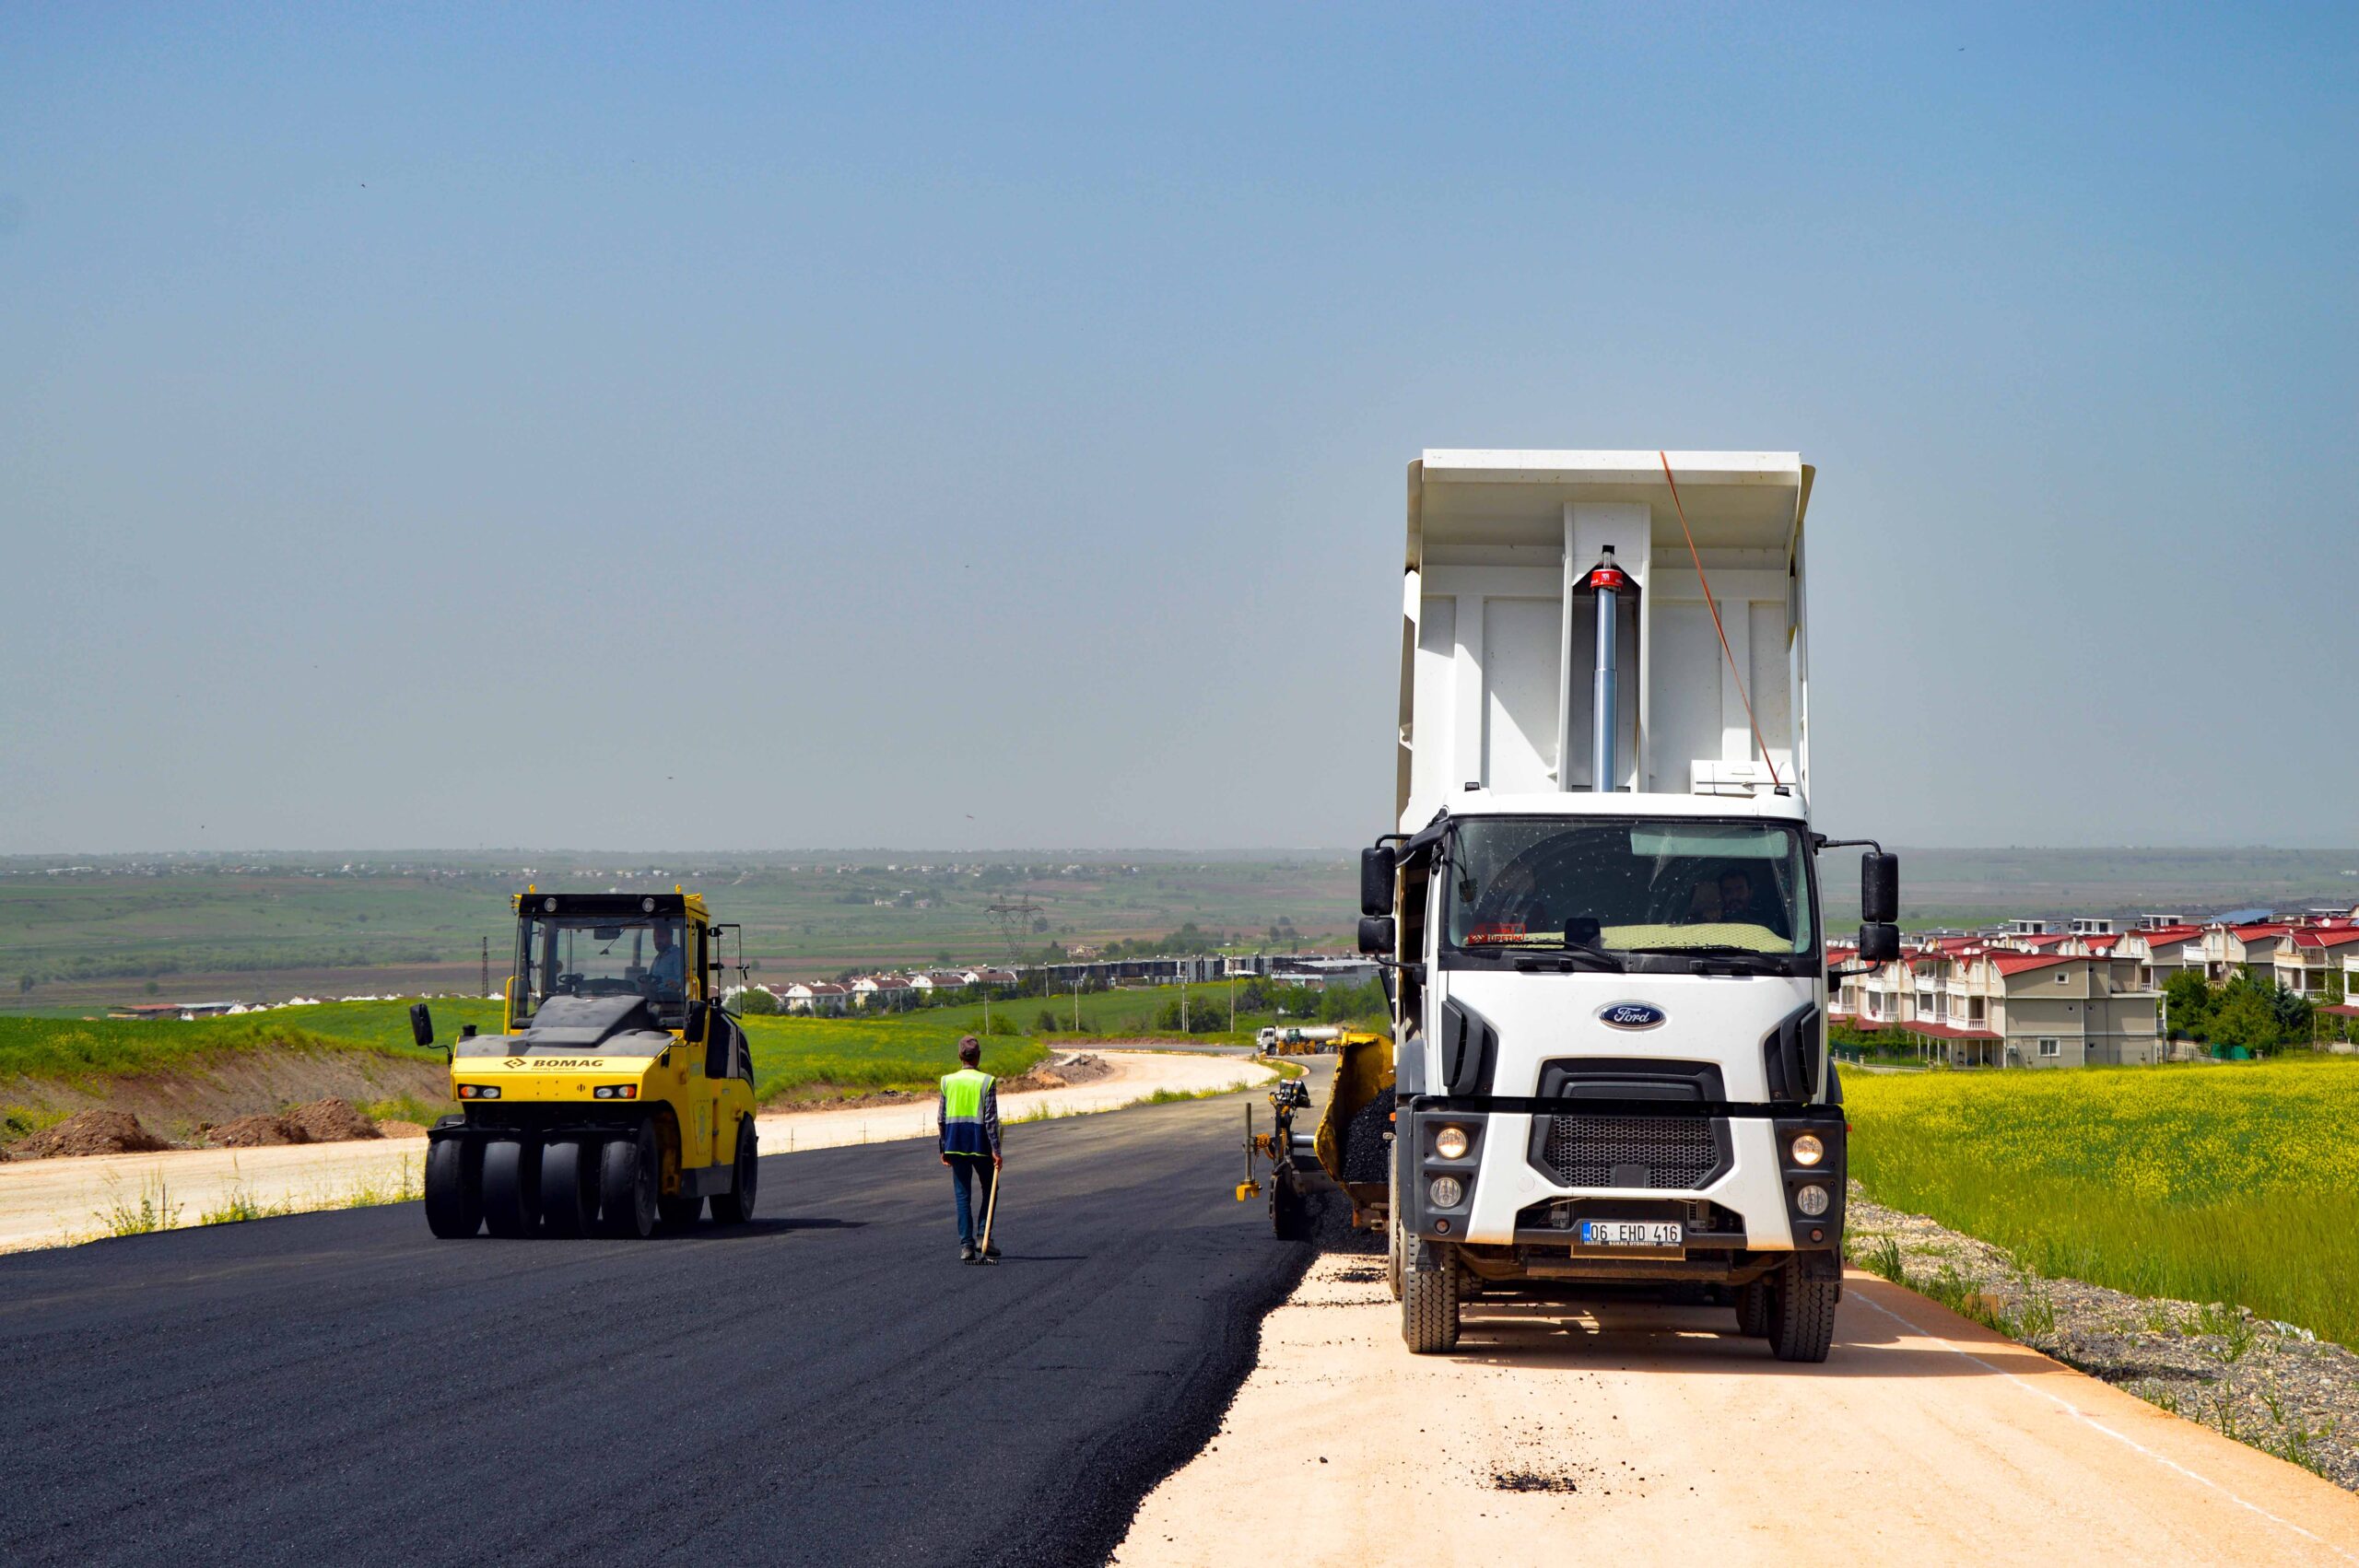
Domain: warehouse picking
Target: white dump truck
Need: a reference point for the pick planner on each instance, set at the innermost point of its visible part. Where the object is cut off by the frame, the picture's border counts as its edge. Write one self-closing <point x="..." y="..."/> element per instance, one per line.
<point x="1600" y="910"/>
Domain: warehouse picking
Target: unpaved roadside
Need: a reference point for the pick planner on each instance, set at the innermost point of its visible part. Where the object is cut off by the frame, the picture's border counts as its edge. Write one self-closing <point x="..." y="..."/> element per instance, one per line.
<point x="58" y="1202"/>
<point x="1626" y="1432"/>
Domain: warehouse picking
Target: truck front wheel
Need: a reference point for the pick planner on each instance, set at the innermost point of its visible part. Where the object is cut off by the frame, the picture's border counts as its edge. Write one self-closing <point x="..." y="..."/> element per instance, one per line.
<point x="1392" y="1254"/>
<point x="1429" y="1297"/>
<point x="1752" y="1309"/>
<point x="1802" y="1307"/>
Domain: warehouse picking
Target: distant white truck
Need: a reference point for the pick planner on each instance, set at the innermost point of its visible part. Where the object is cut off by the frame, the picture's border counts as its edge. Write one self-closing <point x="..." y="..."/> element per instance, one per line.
<point x="1599" y="909"/>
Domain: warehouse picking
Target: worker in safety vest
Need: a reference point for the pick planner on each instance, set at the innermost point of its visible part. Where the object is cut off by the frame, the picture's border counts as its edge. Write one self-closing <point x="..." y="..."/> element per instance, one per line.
<point x="969" y="1141"/>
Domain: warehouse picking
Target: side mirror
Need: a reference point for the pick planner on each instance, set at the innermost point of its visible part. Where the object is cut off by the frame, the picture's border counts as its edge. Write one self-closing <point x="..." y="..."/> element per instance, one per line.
<point x="1376" y="869"/>
<point x="1376" y="934"/>
<point x="421" y="1024"/>
<point x="1879" y="942"/>
<point x="1879" y="887"/>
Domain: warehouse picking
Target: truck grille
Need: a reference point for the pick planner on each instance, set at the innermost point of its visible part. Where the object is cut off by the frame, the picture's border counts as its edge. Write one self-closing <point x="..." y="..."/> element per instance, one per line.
<point x="1670" y="1153"/>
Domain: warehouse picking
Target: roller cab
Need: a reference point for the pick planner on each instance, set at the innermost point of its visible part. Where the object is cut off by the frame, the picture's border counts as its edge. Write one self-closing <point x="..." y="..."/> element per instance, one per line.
<point x="619" y="1095"/>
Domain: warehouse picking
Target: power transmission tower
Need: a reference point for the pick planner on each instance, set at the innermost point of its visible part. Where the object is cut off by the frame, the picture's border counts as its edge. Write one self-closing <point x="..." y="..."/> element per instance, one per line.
<point x="485" y="989"/>
<point x="1014" y="918"/>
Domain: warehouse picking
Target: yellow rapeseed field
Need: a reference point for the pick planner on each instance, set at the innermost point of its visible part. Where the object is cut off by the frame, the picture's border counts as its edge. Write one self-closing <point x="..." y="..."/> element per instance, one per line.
<point x="2233" y="1183"/>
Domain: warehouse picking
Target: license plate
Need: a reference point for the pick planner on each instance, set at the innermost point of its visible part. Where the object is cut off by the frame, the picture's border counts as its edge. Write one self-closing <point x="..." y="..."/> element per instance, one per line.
<point x="1657" y="1234"/>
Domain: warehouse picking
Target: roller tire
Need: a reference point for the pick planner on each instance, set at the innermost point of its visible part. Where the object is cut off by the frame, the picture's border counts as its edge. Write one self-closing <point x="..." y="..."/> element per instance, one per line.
<point x="512" y="1187"/>
<point x="1429" y="1300"/>
<point x="569" y="1187"/>
<point x="1752" y="1309"/>
<point x="736" y="1206"/>
<point x="678" y="1213"/>
<point x="1802" y="1313"/>
<point x="627" y="1186"/>
<point x="453" y="1188"/>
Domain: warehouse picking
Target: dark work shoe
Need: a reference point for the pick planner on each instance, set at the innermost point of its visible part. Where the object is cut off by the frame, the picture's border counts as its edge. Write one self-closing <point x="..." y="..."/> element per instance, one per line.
<point x="966" y="1252"/>
<point x="991" y="1251"/>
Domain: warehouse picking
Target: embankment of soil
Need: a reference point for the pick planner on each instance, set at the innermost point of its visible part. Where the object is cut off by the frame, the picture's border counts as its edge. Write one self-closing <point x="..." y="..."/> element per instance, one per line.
<point x="181" y="1105"/>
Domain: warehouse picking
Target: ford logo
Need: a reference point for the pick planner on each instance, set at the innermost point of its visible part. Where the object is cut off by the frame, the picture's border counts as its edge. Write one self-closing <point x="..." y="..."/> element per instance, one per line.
<point x="1629" y="1015"/>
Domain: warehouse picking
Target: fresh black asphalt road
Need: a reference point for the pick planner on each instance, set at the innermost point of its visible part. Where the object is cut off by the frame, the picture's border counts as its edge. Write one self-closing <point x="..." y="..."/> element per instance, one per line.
<point x="825" y="1384"/>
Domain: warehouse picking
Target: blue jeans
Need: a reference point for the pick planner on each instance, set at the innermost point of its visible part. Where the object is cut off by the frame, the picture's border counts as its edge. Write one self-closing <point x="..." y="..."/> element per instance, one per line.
<point x="979" y="1170"/>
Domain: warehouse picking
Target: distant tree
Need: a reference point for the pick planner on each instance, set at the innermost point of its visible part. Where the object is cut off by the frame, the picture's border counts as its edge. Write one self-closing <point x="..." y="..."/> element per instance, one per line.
<point x="1040" y="925"/>
<point x="24" y="984"/>
<point x="152" y="987"/>
<point x="1046" y="1024"/>
<point x="2189" y="1000"/>
<point x="757" y="1003"/>
<point x="2244" y="1017"/>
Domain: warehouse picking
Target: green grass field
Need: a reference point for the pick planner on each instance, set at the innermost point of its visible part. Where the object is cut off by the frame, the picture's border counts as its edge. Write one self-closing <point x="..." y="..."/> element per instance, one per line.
<point x="2230" y="1184"/>
<point x="793" y="1058"/>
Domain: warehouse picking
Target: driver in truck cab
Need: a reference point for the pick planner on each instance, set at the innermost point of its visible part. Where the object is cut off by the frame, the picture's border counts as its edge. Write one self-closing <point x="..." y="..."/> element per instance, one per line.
<point x="667" y="973"/>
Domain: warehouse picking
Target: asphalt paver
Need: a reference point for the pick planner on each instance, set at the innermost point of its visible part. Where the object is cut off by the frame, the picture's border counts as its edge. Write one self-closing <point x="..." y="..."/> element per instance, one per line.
<point x="828" y="1383"/>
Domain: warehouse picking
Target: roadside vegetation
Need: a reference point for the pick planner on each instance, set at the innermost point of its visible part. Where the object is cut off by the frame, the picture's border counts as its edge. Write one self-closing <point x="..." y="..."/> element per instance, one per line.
<point x="2199" y="1183"/>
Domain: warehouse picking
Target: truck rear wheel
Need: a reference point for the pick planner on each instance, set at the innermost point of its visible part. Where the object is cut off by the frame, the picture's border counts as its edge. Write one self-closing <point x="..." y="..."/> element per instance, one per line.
<point x="453" y="1188"/>
<point x="1802" y="1312"/>
<point x="736" y="1206"/>
<point x="1752" y="1309"/>
<point x="626" y="1178"/>
<point x="569" y="1187"/>
<point x="1429" y="1299"/>
<point x="512" y="1187"/>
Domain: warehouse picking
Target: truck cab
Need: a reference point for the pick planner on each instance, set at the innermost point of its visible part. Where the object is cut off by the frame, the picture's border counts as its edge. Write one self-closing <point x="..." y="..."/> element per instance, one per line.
<point x="1600" y="908"/>
<point x="619" y="1095"/>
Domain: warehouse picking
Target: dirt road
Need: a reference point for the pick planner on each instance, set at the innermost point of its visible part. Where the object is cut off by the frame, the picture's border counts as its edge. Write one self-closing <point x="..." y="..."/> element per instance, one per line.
<point x="1650" y="1434"/>
<point x="56" y="1202"/>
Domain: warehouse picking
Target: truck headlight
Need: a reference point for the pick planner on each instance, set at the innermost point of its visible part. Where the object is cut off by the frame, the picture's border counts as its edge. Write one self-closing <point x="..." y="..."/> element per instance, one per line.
<point x="1808" y="1150"/>
<point x="1450" y="1143"/>
<point x="1812" y="1200"/>
<point x="1445" y="1192"/>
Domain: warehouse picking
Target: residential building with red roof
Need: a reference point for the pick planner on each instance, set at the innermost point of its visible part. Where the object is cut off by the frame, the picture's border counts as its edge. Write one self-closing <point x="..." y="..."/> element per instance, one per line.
<point x="2310" y="958"/>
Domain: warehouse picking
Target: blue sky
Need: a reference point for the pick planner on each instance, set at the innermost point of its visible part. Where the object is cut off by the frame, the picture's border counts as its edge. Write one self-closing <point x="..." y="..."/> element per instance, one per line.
<point x="984" y="427"/>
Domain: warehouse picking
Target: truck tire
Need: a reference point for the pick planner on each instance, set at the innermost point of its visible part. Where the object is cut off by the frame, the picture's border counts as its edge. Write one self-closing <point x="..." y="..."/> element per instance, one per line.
<point x="512" y="1187"/>
<point x="1802" y="1313"/>
<point x="736" y="1206"/>
<point x="1428" y="1299"/>
<point x="569" y="1186"/>
<point x="1752" y="1309"/>
<point x="453" y="1188"/>
<point x="1392" y="1254"/>
<point x="627" y="1177"/>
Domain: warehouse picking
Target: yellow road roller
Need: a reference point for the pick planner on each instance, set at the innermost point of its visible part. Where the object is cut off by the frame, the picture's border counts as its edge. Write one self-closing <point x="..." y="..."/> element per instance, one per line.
<point x="619" y="1095"/>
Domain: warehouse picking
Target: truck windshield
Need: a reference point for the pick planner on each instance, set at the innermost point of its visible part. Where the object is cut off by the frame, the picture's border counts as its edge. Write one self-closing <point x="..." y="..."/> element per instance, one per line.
<point x="1630" y="885"/>
<point x="581" y="956"/>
